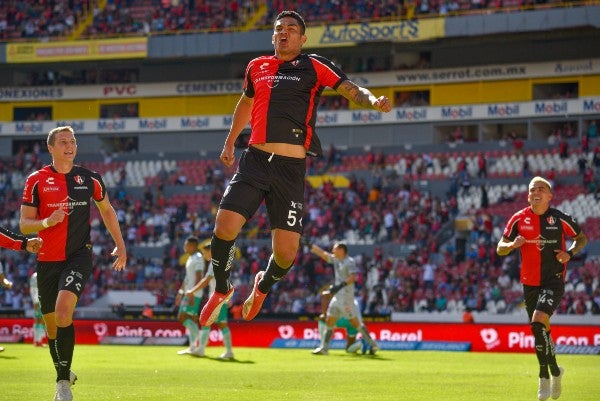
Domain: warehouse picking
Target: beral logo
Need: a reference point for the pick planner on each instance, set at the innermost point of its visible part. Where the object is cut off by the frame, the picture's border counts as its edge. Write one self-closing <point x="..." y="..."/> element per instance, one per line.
<point x="100" y="329"/>
<point x="490" y="338"/>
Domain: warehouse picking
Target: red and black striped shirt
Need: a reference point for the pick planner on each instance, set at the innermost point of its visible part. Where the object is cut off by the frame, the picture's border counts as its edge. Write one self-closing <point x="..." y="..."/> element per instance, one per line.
<point x="544" y="234"/>
<point x="286" y="95"/>
<point x="48" y="190"/>
<point x="11" y="240"/>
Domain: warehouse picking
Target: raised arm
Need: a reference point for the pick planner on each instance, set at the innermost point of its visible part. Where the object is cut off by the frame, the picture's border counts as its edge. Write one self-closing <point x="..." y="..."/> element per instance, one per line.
<point x="363" y="96"/>
<point x="326" y="256"/>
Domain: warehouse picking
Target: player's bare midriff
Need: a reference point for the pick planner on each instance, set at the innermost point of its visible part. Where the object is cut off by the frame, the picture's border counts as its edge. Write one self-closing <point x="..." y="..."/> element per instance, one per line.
<point x="282" y="149"/>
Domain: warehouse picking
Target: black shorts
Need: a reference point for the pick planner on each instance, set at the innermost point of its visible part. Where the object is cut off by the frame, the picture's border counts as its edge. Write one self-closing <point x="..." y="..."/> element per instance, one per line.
<point x="71" y="275"/>
<point x="278" y="180"/>
<point x="545" y="298"/>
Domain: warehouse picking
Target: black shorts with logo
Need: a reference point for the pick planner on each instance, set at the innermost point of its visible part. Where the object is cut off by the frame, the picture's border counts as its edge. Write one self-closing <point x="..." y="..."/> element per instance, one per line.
<point x="71" y="275"/>
<point x="278" y="180"/>
<point x="545" y="298"/>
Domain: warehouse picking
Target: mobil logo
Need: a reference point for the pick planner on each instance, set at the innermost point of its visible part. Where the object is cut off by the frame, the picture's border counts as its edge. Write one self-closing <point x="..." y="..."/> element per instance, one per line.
<point x="77" y="126"/>
<point x="152" y="124"/>
<point x="366" y="116"/>
<point x="29" y="128"/>
<point x="457" y="112"/>
<point x="501" y="110"/>
<point x="111" y="125"/>
<point x="591" y="105"/>
<point x="327" y="118"/>
<point x="411" y="114"/>
<point x="551" y="108"/>
<point x="195" y="122"/>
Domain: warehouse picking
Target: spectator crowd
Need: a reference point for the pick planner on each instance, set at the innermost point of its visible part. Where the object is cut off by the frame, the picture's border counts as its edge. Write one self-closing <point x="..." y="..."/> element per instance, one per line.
<point x="52" y="19"/>
<point x="431" y="274"/>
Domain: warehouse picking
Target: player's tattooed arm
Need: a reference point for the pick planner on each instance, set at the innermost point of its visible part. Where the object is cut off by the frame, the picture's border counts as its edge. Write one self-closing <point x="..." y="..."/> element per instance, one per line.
<point x="363" y="97"/>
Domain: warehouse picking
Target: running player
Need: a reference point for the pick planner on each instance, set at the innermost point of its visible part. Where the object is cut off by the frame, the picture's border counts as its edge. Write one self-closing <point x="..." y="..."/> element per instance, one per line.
<point x="190" y="305"/>
<point x="56" y="203"/>
<point x="539" y="232"/>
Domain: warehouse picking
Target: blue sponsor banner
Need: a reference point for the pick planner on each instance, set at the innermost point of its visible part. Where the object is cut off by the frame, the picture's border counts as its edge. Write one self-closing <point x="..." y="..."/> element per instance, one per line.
<point x="384" y="345"/>
<point x="444" y="346"/>
<point x="577" y="349"/>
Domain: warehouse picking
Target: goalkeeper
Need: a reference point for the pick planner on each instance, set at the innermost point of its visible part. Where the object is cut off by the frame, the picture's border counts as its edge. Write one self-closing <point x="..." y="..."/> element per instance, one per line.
<point x="342" y="304"/>
<point x="343" y="323"/>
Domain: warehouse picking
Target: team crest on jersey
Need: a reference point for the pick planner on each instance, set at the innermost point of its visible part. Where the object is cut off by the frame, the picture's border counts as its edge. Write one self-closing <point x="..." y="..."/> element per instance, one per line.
<point x="78" y="179"/>
<point x="295" y="63"/>
<point x="551" y="220"/>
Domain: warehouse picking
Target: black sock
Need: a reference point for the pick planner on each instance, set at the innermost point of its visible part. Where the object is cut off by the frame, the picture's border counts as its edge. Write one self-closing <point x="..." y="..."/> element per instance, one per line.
<point x="222" y="256"/>
<point x="65" y="343"/>
<point x="552" y="357"/>
<point x="541" y="347"/>
<point x="53" y="354"/>
<point x="272" y="275"/>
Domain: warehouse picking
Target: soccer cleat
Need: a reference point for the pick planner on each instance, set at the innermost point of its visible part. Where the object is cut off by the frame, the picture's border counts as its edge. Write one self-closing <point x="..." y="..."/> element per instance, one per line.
<point x="227" y="355"/>
<point x="355" y="346"/>
<point x="199" y="352"/>
<point x="320" y="351"/>
<point x="543" y="389"/>
<point x="63" y="391"/>
<point x="254" y="302"/>
<point x="374" y="349"/>
<point x="72" y="377"/>
<point x="211" y="310"/>
<point x="186" y="351"/>
<point x="556" y="385"/>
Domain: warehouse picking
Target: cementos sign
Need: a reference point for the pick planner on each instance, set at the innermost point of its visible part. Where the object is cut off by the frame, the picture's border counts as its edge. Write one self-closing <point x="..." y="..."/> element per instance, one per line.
<point x="371" y="80"/>
<point x="479" y="112"/>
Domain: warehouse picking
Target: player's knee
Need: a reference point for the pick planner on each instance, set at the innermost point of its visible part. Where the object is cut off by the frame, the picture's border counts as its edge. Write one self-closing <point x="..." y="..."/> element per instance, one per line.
<point x="537" y="329"/>
<point x="284" y="258"/>
<point x="63" y="318"/>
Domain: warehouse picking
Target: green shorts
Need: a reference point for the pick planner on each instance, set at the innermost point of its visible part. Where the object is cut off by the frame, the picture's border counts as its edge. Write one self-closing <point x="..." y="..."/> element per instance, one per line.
<point x="189" y="308"/>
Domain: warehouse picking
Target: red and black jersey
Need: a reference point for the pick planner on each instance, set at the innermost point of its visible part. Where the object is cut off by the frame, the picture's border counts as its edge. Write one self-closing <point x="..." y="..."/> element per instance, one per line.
<point x="11" y="240"/>
<point x="544" y="234"/>
<point x="48" y="190"/>
<point x="286" y="95"/>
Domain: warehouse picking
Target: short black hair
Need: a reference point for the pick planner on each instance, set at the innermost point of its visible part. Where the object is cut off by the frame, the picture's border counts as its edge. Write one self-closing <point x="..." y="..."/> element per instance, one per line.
<point x="294" y="15"/>
<point x="342" y="246"/>
<point x="192" y="240"/>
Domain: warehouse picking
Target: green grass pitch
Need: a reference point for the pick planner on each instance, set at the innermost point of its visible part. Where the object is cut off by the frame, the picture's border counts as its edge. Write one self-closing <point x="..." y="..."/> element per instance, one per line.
<point x="157" y="373"/>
